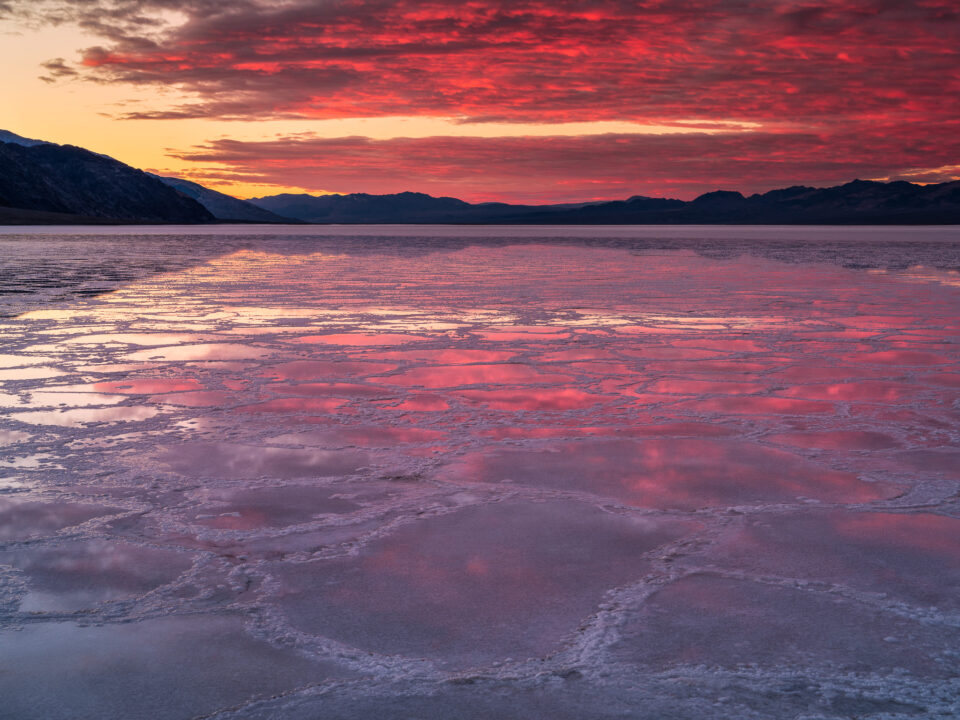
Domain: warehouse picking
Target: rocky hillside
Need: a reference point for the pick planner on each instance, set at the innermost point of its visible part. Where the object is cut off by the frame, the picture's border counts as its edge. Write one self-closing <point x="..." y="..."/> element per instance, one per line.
<point x="47" y="178"/>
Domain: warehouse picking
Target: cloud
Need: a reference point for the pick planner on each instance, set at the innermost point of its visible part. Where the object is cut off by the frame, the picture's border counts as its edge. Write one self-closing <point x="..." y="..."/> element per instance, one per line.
<point x="56" y="69"/>
<point x="555" y="168"/>
<point x="835" y="88"/>
<point x="529" y="60"/>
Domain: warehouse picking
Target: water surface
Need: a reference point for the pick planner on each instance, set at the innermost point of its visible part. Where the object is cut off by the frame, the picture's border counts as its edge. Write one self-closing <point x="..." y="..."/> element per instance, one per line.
<point x="252" y="472"/>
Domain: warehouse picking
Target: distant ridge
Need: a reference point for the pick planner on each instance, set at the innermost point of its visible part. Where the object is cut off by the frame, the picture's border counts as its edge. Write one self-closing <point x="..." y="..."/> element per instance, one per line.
<point x="858" y="202"/>
<point x="45" y="183"/>
<point x="8" y="137"/>
<point x="223" y="207"/>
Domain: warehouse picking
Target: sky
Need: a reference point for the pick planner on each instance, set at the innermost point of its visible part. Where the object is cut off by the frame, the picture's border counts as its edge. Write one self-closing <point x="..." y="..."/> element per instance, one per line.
<point x="524" y="101"/>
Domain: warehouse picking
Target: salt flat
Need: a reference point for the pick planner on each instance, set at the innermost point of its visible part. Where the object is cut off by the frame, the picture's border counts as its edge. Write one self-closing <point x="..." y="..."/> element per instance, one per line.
<point x="427" y="472"/>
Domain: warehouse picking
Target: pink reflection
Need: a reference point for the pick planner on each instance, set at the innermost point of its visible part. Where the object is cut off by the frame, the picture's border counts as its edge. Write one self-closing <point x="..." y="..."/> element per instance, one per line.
<point x="647" y="330"/>
<point x="671" y="353"/>
<point x="484" y="583"/>
<point x="758" y="405"/>
<point x="532" y="336"/>
<point x="853" y="391"/>
<point x="901" y="357"/>
<point x="452" y="356"/>
<point x="603" y="368"/>
<point x="321" y="369"/>
<point x="533" y="399"/>
<point x="703" y="387"/>
<point x="205" y="398"/>
<point x="913" y="556"/>
<point x="943" y="461"/>
<point x="582" y="354"/>
<point x="210" y="351"/>
<point x="933" y="534"/>
<point x="914" y="342"/>
<point x="727" y="345"/>
<point x="347" y="390"/>
<point x="423" y="403"/>
<point x="836" y="440"/>
<point x="535" y="433"/>
<point x="643" y="398"/>
<point x="667" y="473"/>
<point x="294" y="405"/>
<point x="812" y="373"/>
<point x="454" y="375"/>
<point x="148" y="386"/>
<point x="360" y="339"/>
<point x="878" y="322"/>
<point x="704" y="367"/>
<point x="841" y="334"/>
<point x="679" y="429"/>
<point x="116" y="367"/>
<point x="946" y="379"/>
<point x="362" y="435"/>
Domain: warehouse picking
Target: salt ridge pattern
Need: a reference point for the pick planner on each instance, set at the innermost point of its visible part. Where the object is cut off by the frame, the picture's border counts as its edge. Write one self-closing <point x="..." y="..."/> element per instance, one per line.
<point x="352" y="477"/>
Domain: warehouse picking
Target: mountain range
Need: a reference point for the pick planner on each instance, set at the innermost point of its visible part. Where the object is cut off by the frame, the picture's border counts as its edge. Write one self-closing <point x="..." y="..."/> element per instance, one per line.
<point x="45" y="183"/>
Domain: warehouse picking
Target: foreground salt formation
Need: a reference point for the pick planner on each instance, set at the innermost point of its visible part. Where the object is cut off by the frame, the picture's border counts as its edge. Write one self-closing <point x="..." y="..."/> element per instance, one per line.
<point x="426" y="477"/>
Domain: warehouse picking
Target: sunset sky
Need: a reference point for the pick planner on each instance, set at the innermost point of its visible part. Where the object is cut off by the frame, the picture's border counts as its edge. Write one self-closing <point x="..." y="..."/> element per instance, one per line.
<point x="525" y="101"/>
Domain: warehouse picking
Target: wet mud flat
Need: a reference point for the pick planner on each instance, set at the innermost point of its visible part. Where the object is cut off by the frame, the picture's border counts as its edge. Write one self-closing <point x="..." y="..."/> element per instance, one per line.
<point x="429" y="474"/>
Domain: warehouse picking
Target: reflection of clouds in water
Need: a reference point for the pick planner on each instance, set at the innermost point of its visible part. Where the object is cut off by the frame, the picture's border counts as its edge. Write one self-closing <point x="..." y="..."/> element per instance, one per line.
<point x="948" y="276"/>
<point x="470" y="452"/>
<point x="21" y="519"/>
<point x="80" y="417"/>
<point x="209" y="351"/>
<point x="686" y="473"/>
<point x="248" y="461"/>
<point x="912" y="557"/>
<point x="89" y="572"/>
<point x="475" y="584"/>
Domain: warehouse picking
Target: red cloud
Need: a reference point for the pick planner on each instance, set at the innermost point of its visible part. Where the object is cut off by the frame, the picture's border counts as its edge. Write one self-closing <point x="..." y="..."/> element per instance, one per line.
<point x="869" y="87"/>
<point x="535" y="60"/>
<point x="550" y="169"/>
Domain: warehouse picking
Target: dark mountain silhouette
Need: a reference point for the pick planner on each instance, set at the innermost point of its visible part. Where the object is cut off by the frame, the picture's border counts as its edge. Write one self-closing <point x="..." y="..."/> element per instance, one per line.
<point x="223" y="207"/>
<point x="405" y="207"/>
<point x="45" y="183"/>
<point x="38" y="178"/>
<point x="857" y="202"/>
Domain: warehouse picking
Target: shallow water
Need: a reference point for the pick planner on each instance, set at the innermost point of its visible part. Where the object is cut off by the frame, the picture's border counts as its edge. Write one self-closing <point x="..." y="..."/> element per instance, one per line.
<point x="404" y="472"/>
